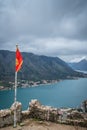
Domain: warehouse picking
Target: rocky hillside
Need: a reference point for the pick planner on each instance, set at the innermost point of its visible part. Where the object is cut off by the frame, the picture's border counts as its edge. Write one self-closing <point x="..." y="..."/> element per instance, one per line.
<point x="34" y="67"/>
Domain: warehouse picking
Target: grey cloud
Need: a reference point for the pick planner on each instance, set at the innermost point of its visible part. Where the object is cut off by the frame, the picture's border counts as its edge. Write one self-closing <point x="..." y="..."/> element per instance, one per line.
<point x="44" y="18"/>
<point x="37" y="24"/>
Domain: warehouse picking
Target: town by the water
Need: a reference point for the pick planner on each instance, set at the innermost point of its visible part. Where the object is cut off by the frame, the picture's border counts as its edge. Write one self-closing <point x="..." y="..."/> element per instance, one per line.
<point x="24" y="84"/>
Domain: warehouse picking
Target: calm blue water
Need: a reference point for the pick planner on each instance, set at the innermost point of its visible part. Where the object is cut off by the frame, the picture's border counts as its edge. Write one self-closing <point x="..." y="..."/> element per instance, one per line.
<point x="67" y="93"/>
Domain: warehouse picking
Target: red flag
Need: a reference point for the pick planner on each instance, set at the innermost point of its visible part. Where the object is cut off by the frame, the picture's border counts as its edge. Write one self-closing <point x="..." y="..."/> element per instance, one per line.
<point x="19" y="60"/>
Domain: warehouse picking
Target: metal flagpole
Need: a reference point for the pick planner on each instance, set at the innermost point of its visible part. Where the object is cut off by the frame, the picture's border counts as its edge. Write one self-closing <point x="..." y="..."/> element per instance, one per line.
<point x="15" y="99"/>
<point x="19" y="62"/>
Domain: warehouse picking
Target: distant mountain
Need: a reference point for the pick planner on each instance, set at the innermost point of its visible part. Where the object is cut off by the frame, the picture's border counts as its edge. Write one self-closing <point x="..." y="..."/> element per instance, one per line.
<point x="34" y="67"/>
<point x="82" y="65"/>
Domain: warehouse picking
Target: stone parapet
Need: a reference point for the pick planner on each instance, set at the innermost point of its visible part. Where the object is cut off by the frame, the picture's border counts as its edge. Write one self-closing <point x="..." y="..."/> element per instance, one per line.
<point x="40" y="112"/>
<point x="66" y="116"/>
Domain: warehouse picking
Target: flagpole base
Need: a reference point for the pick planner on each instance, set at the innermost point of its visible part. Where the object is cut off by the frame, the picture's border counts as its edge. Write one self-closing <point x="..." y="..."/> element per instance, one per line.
<point x="14" y="126"/>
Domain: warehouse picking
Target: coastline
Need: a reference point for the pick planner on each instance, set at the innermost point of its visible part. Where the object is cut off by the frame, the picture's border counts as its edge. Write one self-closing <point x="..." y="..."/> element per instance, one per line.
<point x="28" y="84"/>
<point x="10" y="85"/>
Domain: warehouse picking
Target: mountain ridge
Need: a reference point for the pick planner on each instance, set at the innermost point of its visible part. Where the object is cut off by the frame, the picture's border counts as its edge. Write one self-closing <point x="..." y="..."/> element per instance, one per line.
<point x="34" y="67"/>
<point x="81" y="65"/>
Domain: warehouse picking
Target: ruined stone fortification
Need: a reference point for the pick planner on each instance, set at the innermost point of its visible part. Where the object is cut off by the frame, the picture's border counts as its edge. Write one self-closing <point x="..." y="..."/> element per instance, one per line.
<point x="40" y="112"/>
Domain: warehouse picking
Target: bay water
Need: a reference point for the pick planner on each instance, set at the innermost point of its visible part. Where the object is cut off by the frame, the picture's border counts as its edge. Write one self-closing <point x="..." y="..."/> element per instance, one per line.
<point x="66" y="93"/>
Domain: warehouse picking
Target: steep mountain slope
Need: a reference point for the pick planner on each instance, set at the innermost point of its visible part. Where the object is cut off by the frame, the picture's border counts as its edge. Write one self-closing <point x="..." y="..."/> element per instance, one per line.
<point x="34" y="67"/>
<point x="82" y="65"/>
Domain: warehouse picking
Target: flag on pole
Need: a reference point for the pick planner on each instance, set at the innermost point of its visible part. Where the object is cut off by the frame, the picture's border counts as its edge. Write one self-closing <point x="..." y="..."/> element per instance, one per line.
<point x="18" y="64"/>
<point x="19" y="60"/>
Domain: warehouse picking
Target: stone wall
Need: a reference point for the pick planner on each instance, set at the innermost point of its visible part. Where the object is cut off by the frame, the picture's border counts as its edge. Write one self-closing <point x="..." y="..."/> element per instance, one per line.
<point x="41" y="112"/>
<point x="7" y="115"/>
<point x="66" y="116"/>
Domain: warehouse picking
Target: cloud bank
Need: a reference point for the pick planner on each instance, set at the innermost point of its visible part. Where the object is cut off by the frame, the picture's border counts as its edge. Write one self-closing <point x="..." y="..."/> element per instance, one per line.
<point x="45" y="27"/>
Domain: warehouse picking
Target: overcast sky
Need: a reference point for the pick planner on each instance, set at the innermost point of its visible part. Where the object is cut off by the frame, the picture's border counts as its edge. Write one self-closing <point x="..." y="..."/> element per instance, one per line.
<point x="45" y="27"/>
